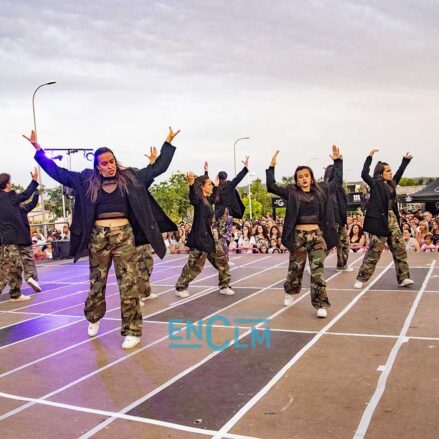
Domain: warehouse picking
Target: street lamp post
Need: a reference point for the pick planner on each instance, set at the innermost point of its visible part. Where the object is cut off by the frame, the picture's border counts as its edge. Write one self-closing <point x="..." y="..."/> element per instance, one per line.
<point x="39" y="168"/>
<point x="234" y="150"/>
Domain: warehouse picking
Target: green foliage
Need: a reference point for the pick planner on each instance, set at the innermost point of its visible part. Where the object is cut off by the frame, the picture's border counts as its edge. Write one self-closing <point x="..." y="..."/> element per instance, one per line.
<point x="256" y="208"/>
<point x="173" y="196"/>
<point x="407" y="181"/>
<point x="17" y="188"/>
<point x="54" y="203"/>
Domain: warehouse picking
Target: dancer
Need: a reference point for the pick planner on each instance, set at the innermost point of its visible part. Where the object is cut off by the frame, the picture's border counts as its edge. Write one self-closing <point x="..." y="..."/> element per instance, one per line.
<point x="334" y="179"/>
<point x="202" y="194"/>
<point x="112" y="215"/>
<point x="228" y="204"/>
<point x="382" y="221"/>
<point x="309" y="228"/>
<point x="158" y="164"/>
<point x="14" y="235"/>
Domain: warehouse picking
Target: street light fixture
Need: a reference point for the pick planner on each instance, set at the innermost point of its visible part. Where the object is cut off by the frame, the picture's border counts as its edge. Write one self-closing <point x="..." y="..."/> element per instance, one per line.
<point x="234" y="150"/>
<point x="39" y="168"/>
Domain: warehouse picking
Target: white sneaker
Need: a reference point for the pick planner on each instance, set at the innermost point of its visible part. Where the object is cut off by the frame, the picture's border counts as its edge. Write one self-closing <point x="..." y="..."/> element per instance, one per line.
<point x="322" y="313"/>
<point x="184" y="293"/>
<point x="406" y="283"/>
<point x="347" y="269"/>
<point x="358" y="285"/>
<point x="288" y="299"/>
<point x="151" y="297"/>
<point x="93" y="329"/>
<point x="34" y="284"/>
<point x="22" y="298"/>
<point x="227" y="291"/>
<point x="130" y="341"/>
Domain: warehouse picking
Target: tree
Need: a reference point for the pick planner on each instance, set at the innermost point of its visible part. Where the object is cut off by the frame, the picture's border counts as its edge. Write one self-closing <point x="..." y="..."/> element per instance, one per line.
<point x="55" y="203"/>
<point x="173" y="196"/>
<point x="257" y="211"/>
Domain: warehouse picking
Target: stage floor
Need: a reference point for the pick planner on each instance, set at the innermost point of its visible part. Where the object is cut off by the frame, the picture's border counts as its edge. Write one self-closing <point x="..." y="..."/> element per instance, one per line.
<point x="371" y="369"/>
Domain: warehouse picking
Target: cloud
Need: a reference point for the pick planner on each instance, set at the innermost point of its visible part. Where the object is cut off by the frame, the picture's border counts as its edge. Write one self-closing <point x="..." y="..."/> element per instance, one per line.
<point x="296" y="75"/>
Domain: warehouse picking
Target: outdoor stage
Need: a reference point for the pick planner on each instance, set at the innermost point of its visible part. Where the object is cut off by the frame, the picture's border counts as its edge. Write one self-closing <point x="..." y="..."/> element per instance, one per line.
<point x="371" y="369"/>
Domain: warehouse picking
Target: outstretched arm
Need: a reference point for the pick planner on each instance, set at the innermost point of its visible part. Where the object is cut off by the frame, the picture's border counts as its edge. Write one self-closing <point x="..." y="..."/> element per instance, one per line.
<point x="366" y="168"/>
<point x="338" y="164"/>
<point x="26" y="208"/>
<point x="61" y="175"/>
<point x="27" y="193"/>
<point x="212" y="196"/>
<point x="241" y="174"/>
<point x="405" y="161"/>
<point x="158" y="164"/>
<point x="193" y="198"/>
<point x="272" y="186"/>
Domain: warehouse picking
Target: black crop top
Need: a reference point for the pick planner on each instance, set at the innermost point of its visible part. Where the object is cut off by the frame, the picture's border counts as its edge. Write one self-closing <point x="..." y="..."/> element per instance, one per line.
<point x="112" y="204"/>
<point x="309" y="210"/>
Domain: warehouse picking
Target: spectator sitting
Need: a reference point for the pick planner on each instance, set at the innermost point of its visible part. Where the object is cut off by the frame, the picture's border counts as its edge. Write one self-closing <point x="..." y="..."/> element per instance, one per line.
<point x="65" y="233"/>
<point x="435" y="231"/>
<point x="263" y="249"/>
<point x="356" y="238"/>
<point x="428" y="245"/>
<point x="411" y="244"/>
<point x="38" y="253"/>
<point x="274" y="248"/>
<point x="246" y="241"/>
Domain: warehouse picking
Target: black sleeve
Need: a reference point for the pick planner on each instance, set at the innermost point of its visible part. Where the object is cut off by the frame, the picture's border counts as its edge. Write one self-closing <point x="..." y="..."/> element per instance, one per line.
<point x="401" y="170"/>
<point x="272" y="186"/>
<point x="31" y="205"/>
<point x="61" y="175"/>
<point x="193" y="198"/>
<point x="26" y="194"/>
<point x="365" y="172"/>
<point x="239" y="177"/>
<point x="161" y="165"/>
<point x="212" y="196"/>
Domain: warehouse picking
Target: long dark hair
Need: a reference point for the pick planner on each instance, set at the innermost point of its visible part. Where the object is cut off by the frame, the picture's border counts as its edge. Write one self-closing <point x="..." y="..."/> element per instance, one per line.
<point x="378" y="173"/>
<point x="314" y="185"/>
<point x="123" y="176"/>
<point x="198" y="186"/>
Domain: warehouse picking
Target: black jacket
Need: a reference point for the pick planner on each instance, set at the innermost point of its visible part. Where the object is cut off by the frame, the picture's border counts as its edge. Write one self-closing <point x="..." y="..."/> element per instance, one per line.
<point x="28" y="207"/>
<point x="141" y="214"/>
<point x="291" y="195"/>
<point x="376" y="221"/>
<point x="147" y="176"/>
<point x="228" y="197"/>
<point x="13" y="230"/>
<point x="338" y="194"/>
<point x="200" y="237"/>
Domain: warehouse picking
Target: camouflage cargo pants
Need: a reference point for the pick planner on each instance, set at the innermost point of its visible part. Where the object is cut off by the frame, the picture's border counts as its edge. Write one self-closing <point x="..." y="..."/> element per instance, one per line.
<point x="313" y="244"/>
<point x="11" y="270"/>
<point x="342" y="247"/>
<point x="196" y="262"/>
<point x="27" y="259"/>
<point x="145" y="264"/>
<point x="107" y="245"/>
<point x="224" y="227"/>
<point x="376" y="246"/>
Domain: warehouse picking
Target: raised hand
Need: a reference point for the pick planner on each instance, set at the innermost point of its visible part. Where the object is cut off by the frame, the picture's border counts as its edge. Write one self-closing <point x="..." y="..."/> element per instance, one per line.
<point x="171" y="135"/>
<point x="408" y="156"/>
<point x="274" y="159"/>
<point x="335" y="153"/>
<point x="372" y="152"/>
<point x="34" y="174"/>
<point x="153" y="155"/>
<point x="33" y="139"/>
<point x="216" y="182"/>
<point x="245" y="162"/>
<point x="190" y="177"/>
<point x="206" y="166"/>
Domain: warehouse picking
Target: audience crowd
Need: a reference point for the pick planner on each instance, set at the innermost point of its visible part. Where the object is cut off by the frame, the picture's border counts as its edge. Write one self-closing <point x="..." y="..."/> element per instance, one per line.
<point x="263" y="235"/>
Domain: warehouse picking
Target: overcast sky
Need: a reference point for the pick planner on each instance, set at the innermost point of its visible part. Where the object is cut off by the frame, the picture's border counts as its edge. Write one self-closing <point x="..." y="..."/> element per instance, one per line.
<point x="294" y="75"/>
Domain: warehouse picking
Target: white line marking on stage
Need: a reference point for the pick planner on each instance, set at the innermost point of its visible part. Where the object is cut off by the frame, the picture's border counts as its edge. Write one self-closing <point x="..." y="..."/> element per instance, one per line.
<point x="84" y="341"/>
<point x="224" y="430"/>
<point x="382" y="381"/>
